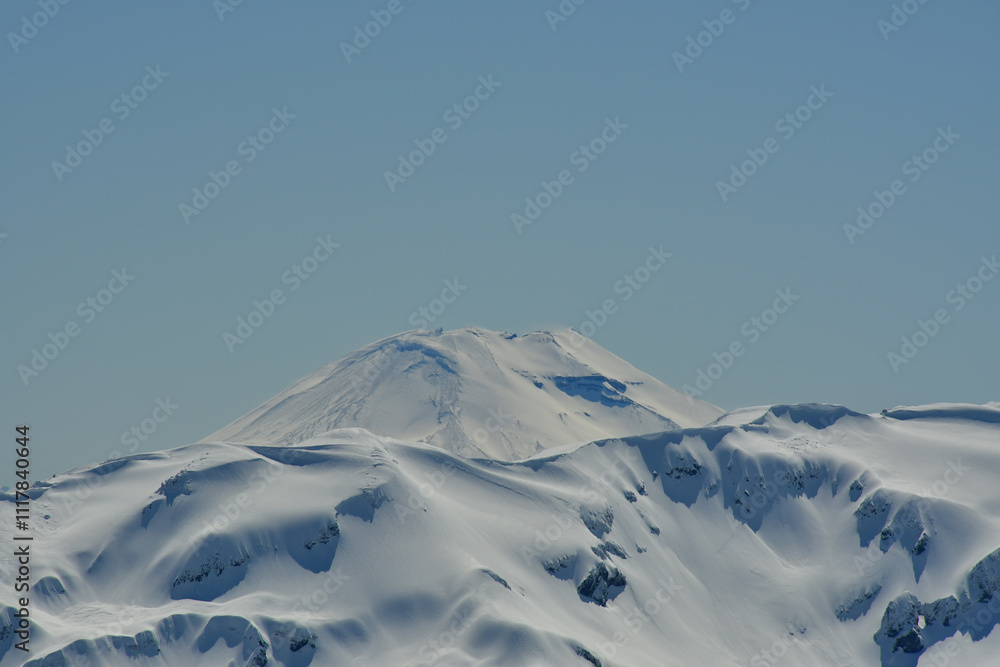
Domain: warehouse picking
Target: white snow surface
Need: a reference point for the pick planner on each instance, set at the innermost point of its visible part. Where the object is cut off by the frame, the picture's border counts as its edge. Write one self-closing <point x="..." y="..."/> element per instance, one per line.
<point x="477" y="393"/>
<point x="753" y="544"/>
<point x="802" y="535"/>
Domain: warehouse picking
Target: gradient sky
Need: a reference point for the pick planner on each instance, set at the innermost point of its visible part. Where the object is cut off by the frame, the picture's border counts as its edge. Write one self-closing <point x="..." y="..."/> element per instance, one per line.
<point x="323" y="176"/>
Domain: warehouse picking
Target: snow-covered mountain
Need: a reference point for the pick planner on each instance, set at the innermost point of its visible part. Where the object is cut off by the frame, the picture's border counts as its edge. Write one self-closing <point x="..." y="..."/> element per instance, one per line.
<point x="809" y="536"/>
<point x="802" y="535"/>
<point x="477" y="393"/>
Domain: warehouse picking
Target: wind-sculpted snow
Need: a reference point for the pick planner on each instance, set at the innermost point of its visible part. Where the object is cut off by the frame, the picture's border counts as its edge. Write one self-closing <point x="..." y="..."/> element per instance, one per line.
<point x="598" y="389"/>
<point x="817" y="415"/>
<point x="989" y="414"/>
<point x="794" y="535"/>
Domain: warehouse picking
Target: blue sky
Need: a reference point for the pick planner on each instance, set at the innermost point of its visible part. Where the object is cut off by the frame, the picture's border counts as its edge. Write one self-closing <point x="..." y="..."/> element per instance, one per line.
<point x="327" y="130"/>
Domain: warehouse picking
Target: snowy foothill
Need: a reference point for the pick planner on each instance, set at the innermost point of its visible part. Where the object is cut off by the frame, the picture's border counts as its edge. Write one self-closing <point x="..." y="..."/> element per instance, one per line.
<point x="608" y="520"/>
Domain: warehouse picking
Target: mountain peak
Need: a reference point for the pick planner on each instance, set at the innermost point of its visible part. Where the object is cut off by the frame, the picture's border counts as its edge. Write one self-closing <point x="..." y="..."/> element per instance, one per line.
<point x="475" y="392"/>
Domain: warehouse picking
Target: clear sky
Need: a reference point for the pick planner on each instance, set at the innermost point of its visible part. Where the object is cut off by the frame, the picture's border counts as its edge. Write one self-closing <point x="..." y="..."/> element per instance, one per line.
<point x="139" y="104"/>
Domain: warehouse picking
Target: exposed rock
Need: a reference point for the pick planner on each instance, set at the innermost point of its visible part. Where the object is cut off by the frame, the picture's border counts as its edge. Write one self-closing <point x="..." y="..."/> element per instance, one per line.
<point x="587" y="655"/>
<point x="598" y="522"/>
<point x="602" y="550"/>
<point x="603" y="583"/>
<point x="859" y="605"/>
<point x="900" y="628"/>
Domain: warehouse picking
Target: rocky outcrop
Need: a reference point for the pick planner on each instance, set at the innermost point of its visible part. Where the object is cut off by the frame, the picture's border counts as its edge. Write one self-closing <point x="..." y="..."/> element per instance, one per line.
<point x="603" y="583"/>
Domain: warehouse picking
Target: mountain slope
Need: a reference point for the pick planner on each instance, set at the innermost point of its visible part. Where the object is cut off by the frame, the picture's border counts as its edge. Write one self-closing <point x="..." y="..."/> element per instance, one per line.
<point x="809" y="536"/>
<point x="475" y="392"/>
